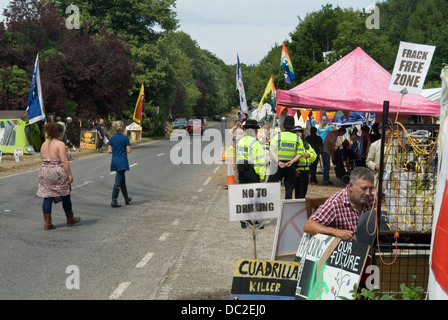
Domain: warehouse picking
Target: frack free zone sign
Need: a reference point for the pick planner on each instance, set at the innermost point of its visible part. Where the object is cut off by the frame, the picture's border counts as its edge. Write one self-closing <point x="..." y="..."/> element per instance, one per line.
<point x="411" y="66"/>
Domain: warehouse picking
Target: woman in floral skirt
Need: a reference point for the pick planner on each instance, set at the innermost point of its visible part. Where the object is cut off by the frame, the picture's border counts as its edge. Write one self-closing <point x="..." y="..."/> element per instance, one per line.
<point x="55" y="176"/>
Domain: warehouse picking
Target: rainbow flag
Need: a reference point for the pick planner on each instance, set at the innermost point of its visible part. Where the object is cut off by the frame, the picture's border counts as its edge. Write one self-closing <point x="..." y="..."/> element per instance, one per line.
<point x="286" y="64"/>
<point x="138" y="112"/>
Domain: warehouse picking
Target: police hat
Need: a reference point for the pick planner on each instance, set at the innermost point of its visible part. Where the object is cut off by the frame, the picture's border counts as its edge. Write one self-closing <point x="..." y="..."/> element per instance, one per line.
<point x="288" y="123"/>
<point x="251" y="124"/>
<point x="297" y="129"/>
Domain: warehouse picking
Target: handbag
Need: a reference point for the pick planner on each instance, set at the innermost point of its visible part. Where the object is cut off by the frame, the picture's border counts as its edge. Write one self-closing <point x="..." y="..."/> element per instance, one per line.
<point x="57" y="199"/>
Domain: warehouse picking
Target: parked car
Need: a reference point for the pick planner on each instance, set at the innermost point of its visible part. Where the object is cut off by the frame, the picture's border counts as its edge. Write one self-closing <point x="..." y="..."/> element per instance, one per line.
<point x="195" y="126"/>
<point x="217" y="117"/>
<point x="180" y="123"/>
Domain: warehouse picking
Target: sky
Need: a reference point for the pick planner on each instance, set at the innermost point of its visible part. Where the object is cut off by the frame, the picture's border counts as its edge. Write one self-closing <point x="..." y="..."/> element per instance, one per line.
<point x="248" y="28"/>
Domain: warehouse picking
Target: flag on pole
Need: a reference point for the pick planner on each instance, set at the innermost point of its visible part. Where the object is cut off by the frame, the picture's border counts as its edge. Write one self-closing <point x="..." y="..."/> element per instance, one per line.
<point x="138" y="112"/>
<point x="35" y="107"/>
<point x="240" y="87"/>
<point x="286" y="64"/>
<point x="269" y="88"/>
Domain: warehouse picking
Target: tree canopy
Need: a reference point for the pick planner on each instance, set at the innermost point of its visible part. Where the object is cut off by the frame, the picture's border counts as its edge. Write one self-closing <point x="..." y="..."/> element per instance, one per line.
<point x="97" y="70"/>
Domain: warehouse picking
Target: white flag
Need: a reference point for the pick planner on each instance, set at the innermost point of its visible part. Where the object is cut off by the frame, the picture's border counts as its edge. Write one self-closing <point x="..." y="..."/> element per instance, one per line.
<point x="240" y="86"/>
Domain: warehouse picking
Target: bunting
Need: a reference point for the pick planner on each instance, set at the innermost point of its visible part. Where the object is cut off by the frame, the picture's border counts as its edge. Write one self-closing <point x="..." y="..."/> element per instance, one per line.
<point x="304" y="114"/>
<point x="318" y="115"/>
<point x="330" y="115"/>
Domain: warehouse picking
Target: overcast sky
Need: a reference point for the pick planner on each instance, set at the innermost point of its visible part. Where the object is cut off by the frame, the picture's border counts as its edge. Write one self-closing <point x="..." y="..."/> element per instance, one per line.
<point x="249" y="28"/>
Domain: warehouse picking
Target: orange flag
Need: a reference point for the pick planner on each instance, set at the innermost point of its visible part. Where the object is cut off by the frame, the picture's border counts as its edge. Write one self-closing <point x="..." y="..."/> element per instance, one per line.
<point x="317" y="115"/>
<point x="138" y="112"/>
<point x="304" y="114"/>
<point x="330" y="115"/>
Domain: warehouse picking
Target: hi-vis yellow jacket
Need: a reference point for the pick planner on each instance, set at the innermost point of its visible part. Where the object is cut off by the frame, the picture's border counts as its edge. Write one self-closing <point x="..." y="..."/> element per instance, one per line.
<point x="287" y="145"/>
<point x="250" y="149"/>
<point x="304" y="163"/>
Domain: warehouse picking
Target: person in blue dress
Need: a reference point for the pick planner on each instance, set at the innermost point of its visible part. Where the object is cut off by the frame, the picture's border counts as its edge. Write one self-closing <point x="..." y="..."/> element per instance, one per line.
<point x="119" y="146"/>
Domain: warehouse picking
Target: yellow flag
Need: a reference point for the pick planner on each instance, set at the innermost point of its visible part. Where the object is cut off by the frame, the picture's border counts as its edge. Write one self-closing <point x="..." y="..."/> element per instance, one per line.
<point x="266" y="91"/>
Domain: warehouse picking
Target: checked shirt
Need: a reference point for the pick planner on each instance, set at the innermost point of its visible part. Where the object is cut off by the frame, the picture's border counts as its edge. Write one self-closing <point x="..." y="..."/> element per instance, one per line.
<point x="338" y="212"/>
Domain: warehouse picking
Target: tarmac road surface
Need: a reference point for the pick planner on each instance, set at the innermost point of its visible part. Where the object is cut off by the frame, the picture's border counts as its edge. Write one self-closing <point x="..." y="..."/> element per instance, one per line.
<point x="174" y="241"/>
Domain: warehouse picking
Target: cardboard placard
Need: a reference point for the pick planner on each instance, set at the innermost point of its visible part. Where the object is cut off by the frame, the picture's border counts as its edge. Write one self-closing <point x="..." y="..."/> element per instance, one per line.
<point x="329" y="267"/>
<point x="88" y="140"/>
<point x="289" y="229"/>
<point x="264" y="280"/>
<point x="411" y="66"/>
<point x="254" y="201"/>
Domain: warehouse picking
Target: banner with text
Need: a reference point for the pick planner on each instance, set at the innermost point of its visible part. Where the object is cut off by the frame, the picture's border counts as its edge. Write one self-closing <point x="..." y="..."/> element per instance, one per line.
<point x="329" y="267"/>
<point x="254" y="201"/>
<point x="264" y="280"/>
<point x="411" y="66"/>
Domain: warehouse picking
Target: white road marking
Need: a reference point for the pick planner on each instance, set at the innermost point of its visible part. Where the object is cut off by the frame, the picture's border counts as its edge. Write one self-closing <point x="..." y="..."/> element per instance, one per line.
<point x="84" y="184"/>
<point x="119" y="291"/>
<point x="164" y="236"/>
<point x="160" y="154"/>
<point x="207" y="181"/>
<point x="200" y="190"/>
<point x="176" y="222"/>
<point x="133" y="165"/>
<point x="145" y="260"/>
<point x="214" y="171"/>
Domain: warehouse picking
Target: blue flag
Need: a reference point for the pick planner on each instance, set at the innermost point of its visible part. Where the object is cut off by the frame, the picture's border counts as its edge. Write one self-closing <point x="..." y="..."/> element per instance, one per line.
<point x="35" y="108"/>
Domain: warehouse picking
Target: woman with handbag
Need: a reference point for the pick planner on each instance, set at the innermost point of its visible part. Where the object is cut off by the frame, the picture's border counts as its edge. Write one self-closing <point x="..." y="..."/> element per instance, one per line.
<point x="55" y="176"/>
<point x="119" y="146"/>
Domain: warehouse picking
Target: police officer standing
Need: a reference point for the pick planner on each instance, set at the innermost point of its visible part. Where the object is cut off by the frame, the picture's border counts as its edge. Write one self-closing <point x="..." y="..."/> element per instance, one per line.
<point x="286" y="148"/>
<point x="303" y="167"/>
<point x="250" y="159"/>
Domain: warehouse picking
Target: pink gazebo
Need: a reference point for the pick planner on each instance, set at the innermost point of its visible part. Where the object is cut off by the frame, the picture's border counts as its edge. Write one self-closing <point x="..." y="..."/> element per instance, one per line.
<point x="354" y="83"/>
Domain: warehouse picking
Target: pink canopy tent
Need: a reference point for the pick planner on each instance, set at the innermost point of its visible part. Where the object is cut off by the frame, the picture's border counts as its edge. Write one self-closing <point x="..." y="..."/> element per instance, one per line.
<point x="354" y="83"/>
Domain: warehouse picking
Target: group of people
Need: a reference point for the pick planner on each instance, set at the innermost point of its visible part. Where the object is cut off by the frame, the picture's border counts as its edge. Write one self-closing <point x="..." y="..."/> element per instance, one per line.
<point x="55" y="176"/>
<point x="296" y="159"/>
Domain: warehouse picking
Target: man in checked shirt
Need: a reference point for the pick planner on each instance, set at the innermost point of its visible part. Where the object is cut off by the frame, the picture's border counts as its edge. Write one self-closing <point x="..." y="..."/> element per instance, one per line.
<point x="339" y="215"/>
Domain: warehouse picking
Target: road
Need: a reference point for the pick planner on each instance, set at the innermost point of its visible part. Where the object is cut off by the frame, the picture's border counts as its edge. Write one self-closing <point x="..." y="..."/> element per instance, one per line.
<point x="174" y="241"/>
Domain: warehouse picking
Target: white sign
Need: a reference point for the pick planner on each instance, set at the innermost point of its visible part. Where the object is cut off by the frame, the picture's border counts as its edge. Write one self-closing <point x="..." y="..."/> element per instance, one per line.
<point x="289" y="229"/>
<point x="254" y="201"/>
<point x="411" y="66"/>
